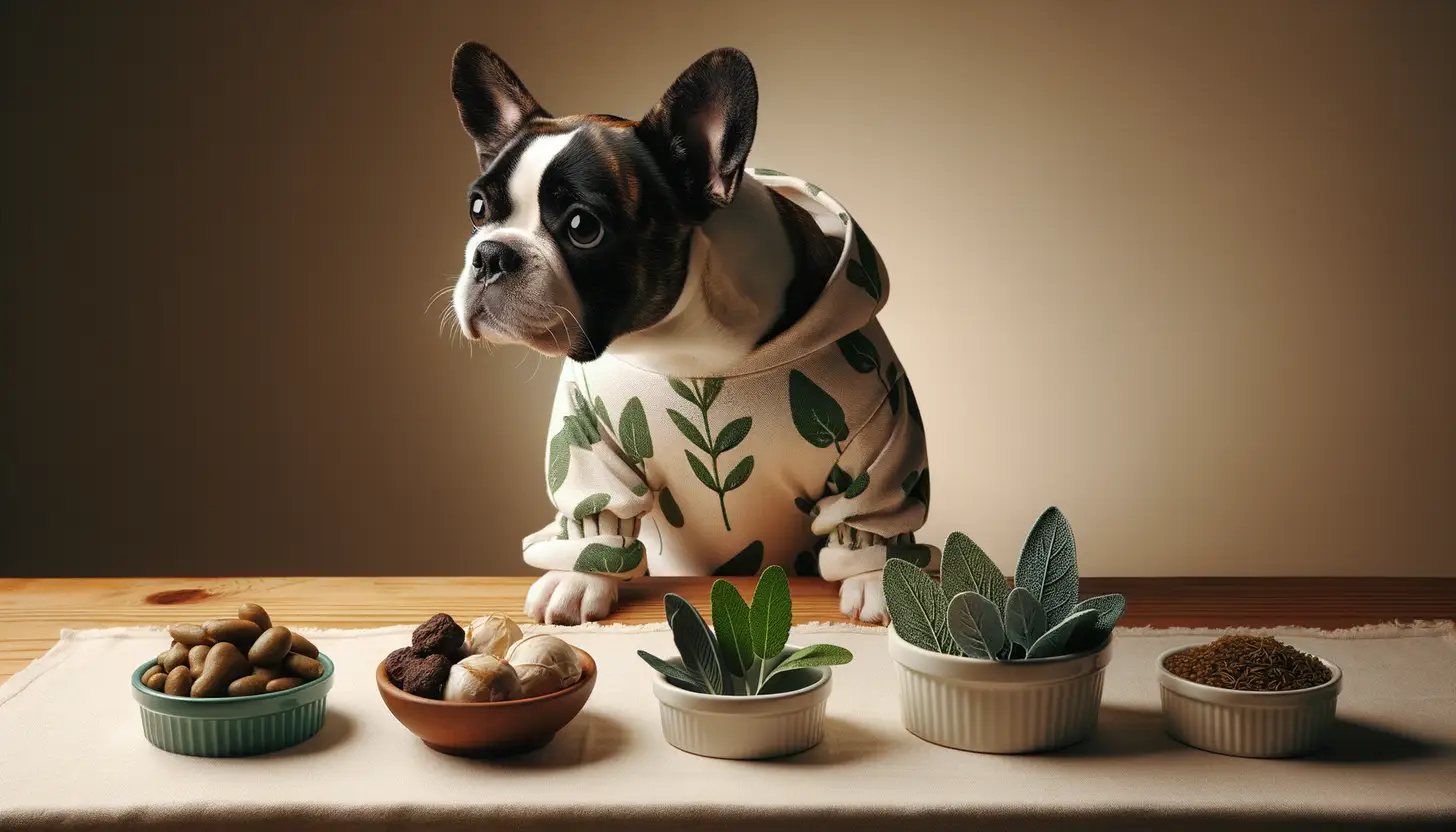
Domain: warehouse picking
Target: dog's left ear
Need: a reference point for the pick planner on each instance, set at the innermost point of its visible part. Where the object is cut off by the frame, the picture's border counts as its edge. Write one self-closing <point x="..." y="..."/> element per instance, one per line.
<point x="494" y="104"/>
<point x="701" y="130"/>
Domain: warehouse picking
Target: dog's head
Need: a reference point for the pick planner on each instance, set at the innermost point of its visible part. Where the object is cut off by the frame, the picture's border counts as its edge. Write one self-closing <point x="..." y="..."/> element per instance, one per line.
<point x="583" y="223"/>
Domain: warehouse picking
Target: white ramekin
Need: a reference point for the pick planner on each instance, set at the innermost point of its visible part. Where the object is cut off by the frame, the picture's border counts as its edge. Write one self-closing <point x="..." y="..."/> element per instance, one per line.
<point x="1247" y="723"/>
<point x="999" y="707"/>
<point x="745" y="727"/>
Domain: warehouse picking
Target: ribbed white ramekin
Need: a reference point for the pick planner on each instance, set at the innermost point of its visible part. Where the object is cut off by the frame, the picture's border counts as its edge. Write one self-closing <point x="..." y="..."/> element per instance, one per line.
<point x="745" y="727"/>
<point x="1245" y="723"/>
<point x="999" y="707"/>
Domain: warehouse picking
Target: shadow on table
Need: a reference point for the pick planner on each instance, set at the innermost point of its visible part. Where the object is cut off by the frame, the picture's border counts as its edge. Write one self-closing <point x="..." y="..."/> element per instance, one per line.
<point x="1123" y="732"/>
<point x="590" y="738"/>
<point x="1360" y="742"/>
<point x="845" y="741"/>
<point x="338" y="727"/>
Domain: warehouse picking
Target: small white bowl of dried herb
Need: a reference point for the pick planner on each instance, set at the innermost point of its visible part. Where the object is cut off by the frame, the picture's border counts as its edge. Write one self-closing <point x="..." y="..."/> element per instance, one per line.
<point x="1248" y="696"/>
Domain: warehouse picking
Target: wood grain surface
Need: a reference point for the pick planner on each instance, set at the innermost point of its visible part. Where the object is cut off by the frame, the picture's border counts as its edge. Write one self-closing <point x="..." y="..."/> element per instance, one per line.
<point x="33" y="611"/>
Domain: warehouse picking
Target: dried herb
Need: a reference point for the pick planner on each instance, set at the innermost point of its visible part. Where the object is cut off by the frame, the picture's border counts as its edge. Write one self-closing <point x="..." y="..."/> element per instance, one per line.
<point x="1257" y="663"/>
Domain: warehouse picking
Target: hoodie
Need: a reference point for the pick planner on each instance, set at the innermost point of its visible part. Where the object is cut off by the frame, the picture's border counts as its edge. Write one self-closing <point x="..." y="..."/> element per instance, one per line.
<point x="810" y="454"/>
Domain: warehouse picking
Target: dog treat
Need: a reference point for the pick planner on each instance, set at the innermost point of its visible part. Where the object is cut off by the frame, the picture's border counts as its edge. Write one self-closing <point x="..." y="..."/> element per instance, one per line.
<point x="256" y="614"/>
<point x="175" y="655"/>
<point x="178" y="682"/>
<point x="196" y="658"/>
<point x="250" y="685"/>
<point x="152" y="671"/>
<point x="283" y="683"/>
<point x="233" y="630"/>
<point x="544" y="664"/>
<point x="426" y="676"/>
<point x="482" y="678"/>
<point x="271" y="646"/>
<point x="304" y="647"/>
<point x="225" y="662"/>
<point x="491" y="635"/>
<point x="1257" y="663"/>
<point x="440" y="634"/>
<point x="158" y="682"/>
<point x="243" y="656"/>
<point x="297" y="664"/>
<point x="189" y="634"/>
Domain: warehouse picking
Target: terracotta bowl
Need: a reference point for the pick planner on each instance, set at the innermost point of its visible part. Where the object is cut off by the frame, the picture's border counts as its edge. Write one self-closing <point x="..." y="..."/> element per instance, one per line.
<point x="489" y="729"/>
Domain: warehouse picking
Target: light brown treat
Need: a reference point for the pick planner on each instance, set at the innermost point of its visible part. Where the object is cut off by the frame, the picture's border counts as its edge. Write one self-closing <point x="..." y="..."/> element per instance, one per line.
<point x="175" y="655"/>
<point x="268" y="674"/>
<point x="225" y="662"/>
<point x="233" y="630"/>
<point x="481" y="678"/>
<point x="189" y="634"/>
<point x="251" y="685"/>
<point x="152" y="671"/>
<point x="283" y="683"/>
<point x="197" y="659"/>
<point x="256" y="614"/>
<point x="302" y="666"/>
<point x="544" y="664"/>
<point x="179" y="681"/>
<point x="271" y="646"/>
<point x="491" y="634"/>
<point x="304" y="647"/>
<point x="158" y="682"/>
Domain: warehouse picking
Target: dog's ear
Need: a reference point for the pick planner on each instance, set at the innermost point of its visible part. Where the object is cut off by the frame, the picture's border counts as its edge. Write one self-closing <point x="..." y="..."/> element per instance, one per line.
<point x="493" y="102"/>
<point x="701" y="130"/>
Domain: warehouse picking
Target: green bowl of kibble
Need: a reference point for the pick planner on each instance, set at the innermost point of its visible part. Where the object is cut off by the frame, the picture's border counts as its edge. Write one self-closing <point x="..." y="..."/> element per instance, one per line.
<point x="1248" y="696"/>
<point x="233" y="688"/>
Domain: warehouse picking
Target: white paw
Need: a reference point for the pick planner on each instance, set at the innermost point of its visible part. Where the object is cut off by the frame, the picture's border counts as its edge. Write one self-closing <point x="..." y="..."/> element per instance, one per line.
<point x="863" y="597"/>
<point x="571" y="597"/>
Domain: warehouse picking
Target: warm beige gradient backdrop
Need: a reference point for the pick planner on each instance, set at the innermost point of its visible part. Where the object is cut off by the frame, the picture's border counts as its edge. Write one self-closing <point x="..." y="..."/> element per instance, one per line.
<point x="1186" y="270"/>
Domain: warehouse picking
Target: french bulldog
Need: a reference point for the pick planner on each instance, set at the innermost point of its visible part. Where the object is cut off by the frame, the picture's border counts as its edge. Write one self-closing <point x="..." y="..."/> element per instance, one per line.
<point x="728" y="400"/>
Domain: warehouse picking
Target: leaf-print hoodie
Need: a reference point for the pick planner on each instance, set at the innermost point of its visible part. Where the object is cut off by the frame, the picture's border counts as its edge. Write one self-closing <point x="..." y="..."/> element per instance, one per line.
<point x="810" y="454"/>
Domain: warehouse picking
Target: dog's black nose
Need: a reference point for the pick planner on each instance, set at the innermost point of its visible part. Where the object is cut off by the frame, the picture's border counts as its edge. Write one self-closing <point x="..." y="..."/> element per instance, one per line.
<point x="493" y="260"/>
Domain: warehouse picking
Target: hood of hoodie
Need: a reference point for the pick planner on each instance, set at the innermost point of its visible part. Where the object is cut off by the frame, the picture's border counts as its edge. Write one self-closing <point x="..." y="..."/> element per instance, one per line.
<point x="855" y="292"/>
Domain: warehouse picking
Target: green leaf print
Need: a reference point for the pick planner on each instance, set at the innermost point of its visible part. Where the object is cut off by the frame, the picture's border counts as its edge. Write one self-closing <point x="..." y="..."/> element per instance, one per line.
<point x="689" y="430"/>
<point x="711" y="388"/>
<point x="804" y="504"/>
<point x="805" y="566"/>
<point x="599" y="557"/>
<point x="563" y="535"/>
<point x="767" y="172"/>
<point x="858" y="486"/>
<point x="860" y="352"/>
<point x="914" y="405"/>
<point x="670" y="511"/>
<point x="922" y="488"/>
<point x="814" y="190"/>
<point x="892" y="380"/>
<point x="739" y="475"/>
<point x="639" y="489"/>
<point x="745" y="562"/>
<point x="577" y="432"/>
<point x="909" y="484"/>
<point x="558" y="460"/>
<point x="839" y="480"/>
<point x="632" y="431"/>
<point x="732" y="434"/>
<point x="817" y="416"/>
<point x="704" y="475"/>
<point x="684" y="390"/>
<point x="591" y="505"/>
<point x="585" y="413"/>
<point x="865" y="272"/>
<point x="600" y="408"/>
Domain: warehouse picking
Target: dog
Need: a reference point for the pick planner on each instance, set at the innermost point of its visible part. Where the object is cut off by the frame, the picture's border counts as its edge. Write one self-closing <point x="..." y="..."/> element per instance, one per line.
<point x="728" y="401"/>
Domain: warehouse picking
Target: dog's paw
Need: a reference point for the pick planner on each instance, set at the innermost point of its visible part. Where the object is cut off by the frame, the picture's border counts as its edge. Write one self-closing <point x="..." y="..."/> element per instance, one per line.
<point x="863" y="597"/>
<point x="571" y="597"/>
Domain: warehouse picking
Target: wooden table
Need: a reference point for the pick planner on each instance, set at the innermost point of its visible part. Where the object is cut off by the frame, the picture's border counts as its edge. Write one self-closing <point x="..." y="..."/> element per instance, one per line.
<point x="33" y="611"/>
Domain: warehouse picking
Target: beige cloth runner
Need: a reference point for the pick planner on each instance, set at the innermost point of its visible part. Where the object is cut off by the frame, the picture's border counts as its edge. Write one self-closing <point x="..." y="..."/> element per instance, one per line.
<point x="72" y="754"/>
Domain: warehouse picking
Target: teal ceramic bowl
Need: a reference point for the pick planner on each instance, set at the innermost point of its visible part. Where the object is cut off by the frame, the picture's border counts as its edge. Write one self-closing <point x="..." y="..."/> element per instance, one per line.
<point x="232" y="727"/>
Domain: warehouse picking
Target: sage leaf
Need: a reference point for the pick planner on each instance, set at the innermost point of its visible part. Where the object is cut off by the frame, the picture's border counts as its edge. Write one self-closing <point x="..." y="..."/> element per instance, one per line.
<point x="673" y="672"/>
<point x="1025" y="619"/>
<point x="632" y="430"/>
<point x="670" y="511"/>
<point x="744" y="563"/>
<point x="690" y="430"/>
<point x="730" y="624"/>
<point x="860" y="352"/>
<point x="817" y="416"/>
<point x="591" y="505"/>
<point x="1048" y="565"/>
<point x="815" y="655"/>
<point x="917" y="608"/>
<point x="696" y="644"/>
<point x="704" y="475"/>
<point x="600" y="408"/>
<point x="684" y="390"/>
<point x="732" y="434"/>
<point x="858" y="486"/>
<point x="739" y="475"/>
<point x="965" y="567"/>
<point x="558" y="460"/>
<point x="711" y="388"/>
<point x="1055" y="641"/>
<point x="1109" y="610"/>
<point x="599" y="557"/>
<point x="771" y="613"/>
<point x="975" y="624"/>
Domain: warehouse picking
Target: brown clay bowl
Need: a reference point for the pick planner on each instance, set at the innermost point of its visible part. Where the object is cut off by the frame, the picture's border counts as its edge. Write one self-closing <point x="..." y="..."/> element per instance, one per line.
<point x="489" y="729"/>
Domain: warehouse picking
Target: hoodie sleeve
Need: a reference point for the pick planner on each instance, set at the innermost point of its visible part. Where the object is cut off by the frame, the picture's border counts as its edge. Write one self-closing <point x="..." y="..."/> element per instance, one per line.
<point x="599" y="491"/>
<point x="878" y="494"/>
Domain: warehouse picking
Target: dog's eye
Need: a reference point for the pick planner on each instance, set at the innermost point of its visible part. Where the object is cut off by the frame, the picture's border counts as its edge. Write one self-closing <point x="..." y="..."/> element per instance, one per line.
<point x="584" y="229"/>
<point x="477" y="210"/>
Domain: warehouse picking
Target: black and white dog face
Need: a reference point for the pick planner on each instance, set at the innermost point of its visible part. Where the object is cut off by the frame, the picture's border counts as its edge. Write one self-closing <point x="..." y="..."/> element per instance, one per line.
<point x="583" y="223"/>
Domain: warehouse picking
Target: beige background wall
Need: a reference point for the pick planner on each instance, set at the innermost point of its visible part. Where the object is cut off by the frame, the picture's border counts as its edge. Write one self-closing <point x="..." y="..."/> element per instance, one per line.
<point x="1186" y="270"/>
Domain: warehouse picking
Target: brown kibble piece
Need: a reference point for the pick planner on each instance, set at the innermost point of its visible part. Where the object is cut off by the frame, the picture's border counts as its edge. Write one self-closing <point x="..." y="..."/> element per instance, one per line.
<point x="271" y="646"/>
<point x="302" y="666"/>
<point x="152" y="671"/>
<point x="440" y="634"/>
<point x="175" y="655"/>
<point x="178" y="682"/>
<point x="247" y="686"/>
<point x="189" y="634"/>
<point x="1257" y="663"/>
<point x="158" y="682"/>
<point x="283" y="683"/>
<point x="234" y="631"/>
<point x="197" y="659"/>
<point x="426" y="676"/>
<point x="395" y="663"/>
<point x="268" y="674"/>
<point x="304" y="647"/>
<point x="256" y="614"/>
<point x="225" y="662"/>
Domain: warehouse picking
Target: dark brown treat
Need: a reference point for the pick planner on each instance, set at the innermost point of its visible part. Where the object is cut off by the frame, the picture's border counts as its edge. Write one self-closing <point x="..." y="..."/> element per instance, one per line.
<point x="425" y="676"/>
<point x="394" y="665"/>
<point x="440" y="635"/>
